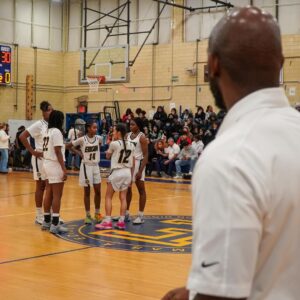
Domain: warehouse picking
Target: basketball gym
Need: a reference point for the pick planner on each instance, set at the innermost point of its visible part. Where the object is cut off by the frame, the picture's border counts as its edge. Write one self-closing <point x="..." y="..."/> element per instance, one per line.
<point x="94" y="59"/>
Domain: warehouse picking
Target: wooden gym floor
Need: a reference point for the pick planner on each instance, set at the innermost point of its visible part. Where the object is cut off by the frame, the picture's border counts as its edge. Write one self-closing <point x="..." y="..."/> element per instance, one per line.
<point x="38" y="265"/>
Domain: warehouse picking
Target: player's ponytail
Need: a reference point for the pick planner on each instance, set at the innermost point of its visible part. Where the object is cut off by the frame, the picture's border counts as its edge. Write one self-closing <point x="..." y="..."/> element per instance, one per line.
<point x="122" y="129"/>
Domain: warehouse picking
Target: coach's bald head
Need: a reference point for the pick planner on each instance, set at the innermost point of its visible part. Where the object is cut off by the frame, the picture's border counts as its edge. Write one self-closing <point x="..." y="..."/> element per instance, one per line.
<point x="245" y="55"/>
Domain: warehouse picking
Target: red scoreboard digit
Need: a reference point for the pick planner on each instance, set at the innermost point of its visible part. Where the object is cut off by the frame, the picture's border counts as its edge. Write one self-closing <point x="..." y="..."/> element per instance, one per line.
<point x="5" y="65"/>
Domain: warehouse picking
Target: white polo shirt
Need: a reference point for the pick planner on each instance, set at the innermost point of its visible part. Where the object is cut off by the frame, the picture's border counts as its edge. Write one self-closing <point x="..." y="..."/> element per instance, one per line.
<point x="172" y="151"/>
<point x="246" y="204"/>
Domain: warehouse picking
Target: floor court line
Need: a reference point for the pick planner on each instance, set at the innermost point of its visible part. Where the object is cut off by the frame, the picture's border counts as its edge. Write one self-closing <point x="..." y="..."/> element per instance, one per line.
<point x="44" y="255"/>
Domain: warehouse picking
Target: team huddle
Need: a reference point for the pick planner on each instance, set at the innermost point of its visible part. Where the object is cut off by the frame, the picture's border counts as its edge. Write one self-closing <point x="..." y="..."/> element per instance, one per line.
<point x="128" y="155"/>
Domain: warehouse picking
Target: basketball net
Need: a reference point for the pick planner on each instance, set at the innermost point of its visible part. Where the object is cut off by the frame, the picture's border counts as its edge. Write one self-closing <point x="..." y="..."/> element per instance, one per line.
<point x="94" y="82"/>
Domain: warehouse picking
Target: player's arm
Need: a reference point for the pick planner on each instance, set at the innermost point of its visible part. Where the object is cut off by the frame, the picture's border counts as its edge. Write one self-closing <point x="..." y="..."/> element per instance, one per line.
<point x="60" y="159"/>
<point x="110" y="150"/>
<point x="72" y="146"/>
<point x="24" y="139"/>
<point x="144" y="146"/>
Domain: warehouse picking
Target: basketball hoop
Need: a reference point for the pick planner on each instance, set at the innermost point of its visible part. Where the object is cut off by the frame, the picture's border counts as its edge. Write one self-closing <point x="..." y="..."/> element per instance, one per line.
<point x="94" y="81"/>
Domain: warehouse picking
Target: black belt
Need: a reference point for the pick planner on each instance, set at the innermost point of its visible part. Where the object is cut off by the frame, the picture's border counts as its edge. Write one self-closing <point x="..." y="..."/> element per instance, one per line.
<point x="37" y="169"/>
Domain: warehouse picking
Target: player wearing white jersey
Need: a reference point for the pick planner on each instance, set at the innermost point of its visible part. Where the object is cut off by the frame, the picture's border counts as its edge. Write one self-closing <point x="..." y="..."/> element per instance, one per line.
<point x="89" y="174"/>
<point x="36" y="131"/>
<point x="122" y="154"/>
<point x="55" y="171"/>
<point x="138" y="139"/>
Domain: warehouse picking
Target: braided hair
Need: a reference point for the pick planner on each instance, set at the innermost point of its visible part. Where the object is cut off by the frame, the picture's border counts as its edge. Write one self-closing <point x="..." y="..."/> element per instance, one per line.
<point x="56" y="120"/>
<point x="120" y="127"/>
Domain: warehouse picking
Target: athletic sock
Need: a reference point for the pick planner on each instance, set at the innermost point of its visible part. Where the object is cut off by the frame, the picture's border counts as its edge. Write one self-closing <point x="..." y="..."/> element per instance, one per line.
<point x="39" y="211"/>
<point x="97" y="211"/>
<point x="55" y="219"/>
<point x="107" y="219"/>
<point x="88" y="213"/>
<point x="140" y="213"/>
<point x="127" y="213"/>
<point x="47" y="217"/>
<point x="122" y="219"/>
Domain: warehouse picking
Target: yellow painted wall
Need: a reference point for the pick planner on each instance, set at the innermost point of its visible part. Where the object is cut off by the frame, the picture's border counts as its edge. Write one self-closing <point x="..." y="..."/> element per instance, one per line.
<point x="57" y="79"/>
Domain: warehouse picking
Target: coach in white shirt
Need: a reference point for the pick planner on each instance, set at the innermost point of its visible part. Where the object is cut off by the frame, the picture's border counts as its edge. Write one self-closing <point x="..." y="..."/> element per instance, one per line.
<point x="246" y="187"/>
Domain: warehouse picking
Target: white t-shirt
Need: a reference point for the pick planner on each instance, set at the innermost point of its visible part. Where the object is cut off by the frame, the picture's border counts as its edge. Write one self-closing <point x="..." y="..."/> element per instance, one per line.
<point x="90" y="148"/>
<point x="53" y="138"/>
<point x="73" y="134"/>
<point x="121" y="158"/>
<point x="4" y="140"/>
<point x="37" y="131"/>
<point x="246" y="204"/>
<point x="198" y="146"/>
<point x="172" y="150"/>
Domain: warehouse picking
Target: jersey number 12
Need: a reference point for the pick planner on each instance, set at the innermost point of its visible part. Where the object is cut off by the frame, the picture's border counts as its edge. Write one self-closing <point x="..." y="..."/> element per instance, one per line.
<point x="124" y="159"/>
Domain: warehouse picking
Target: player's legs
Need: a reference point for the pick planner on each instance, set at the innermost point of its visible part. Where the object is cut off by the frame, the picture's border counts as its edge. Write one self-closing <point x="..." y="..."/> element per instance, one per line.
<point x="57" y="191"/>
<point x="142" y="192"/>
<point x="47" y="206"/>
<point x="97" y="201"/>
<point x="128" y="197"/>
<point x="123" y="205"/>
<point x="40" y="186"/>
<point x="107" y="222"/>
<point x="87" y="205"/>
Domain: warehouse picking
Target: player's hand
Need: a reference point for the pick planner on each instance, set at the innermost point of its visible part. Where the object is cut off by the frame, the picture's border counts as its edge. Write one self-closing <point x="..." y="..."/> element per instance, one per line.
<point x="166" y="162"/>
<point x="65" y="176"/>
<point x="177" y="294"/>
<point x="138" y="176"/>
<point x="38" y="154"/>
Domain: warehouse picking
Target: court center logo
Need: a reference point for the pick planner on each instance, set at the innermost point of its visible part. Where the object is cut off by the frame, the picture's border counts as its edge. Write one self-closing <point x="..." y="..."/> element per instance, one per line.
<point x="159" y="234"/>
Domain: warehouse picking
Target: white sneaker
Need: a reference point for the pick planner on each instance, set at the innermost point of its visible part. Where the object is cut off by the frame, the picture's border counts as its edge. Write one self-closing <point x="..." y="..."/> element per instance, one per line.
<point x="45" y="226"/>
<point x="39" y="220"/>
<point x="190" y="173"/>
<point x="58" y="229"/>
<point x="138" y="220"/>
<point x="178" y="177"/>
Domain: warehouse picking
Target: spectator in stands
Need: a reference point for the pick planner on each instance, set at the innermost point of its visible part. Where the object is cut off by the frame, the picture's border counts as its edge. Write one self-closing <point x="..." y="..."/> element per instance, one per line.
<point x="173" y="151"/>
<point x="126" y="115"/>
<point x="176" y="128"/>
<point x="161" y="156"/>
<point x="186" y="115"/>
<point x="160" y="117"/>
<point x="173" y="114"/>
<point x="198" y="145"/>
<point x="209" y="112"/>
<point x="4" y="146"/>
<point x="200" y="115"/>
<point x="153" y="135"/>
<point x="138" y="112"/>
<point x="187" y="157"/>
<point x="184" y="137"/>
<point x="210" y="134"/>
<point x="151" y="157"/>
<point x="142" y="116"/>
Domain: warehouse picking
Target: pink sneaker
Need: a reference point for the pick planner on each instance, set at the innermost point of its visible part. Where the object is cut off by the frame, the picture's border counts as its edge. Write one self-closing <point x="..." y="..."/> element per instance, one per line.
<point x="104" y="225"/>
<point x="120" y="225"/>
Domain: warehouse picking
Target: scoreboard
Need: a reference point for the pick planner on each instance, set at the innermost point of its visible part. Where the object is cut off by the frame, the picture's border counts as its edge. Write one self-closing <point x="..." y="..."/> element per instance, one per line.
<point x="5" y="65"/>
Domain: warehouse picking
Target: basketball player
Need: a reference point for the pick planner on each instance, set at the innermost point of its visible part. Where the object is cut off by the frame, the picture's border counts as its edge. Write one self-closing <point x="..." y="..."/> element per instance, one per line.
<point x="36" y="131"/>
<point x="89" y="175"/>
<point x="55" y="172"/>
<point x="121" y="153"/>
<point x="138" y="139"/>
<point x="246" y="191"/>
